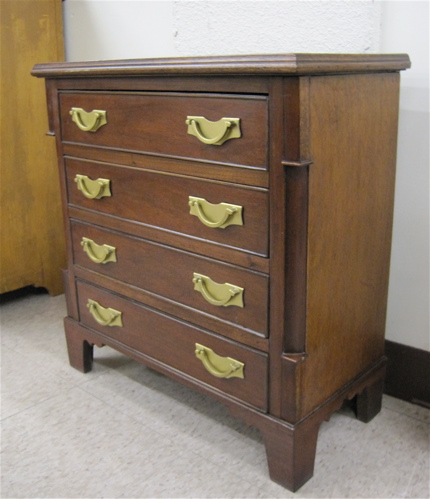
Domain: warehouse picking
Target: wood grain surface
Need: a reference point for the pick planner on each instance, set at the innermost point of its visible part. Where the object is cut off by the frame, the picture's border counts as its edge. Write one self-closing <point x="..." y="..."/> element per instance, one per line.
<point x="32" y="242"/>
<point x="155" y="123"/>
<point x="168" y="272"/>
<point x="172" y="342"/>
<point x="160" y="200"/>
<point x="351" y="197"/>
<point x="315" y="176"/>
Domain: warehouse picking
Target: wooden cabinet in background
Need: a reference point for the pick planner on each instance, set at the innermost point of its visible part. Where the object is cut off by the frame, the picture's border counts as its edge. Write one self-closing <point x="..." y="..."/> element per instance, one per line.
<point x="32" y="231"/>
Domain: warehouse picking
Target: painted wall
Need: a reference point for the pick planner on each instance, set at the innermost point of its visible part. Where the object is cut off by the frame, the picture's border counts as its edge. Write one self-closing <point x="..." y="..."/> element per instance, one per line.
<point x="112" y="29"/>
<point x="240" y="27"/>
<point x="121" y="29"/>
<point x="405" y="28"/>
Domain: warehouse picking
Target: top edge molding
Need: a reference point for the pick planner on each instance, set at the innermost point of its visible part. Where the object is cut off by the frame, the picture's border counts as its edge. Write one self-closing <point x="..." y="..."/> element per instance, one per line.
<point x="277" y="64"/>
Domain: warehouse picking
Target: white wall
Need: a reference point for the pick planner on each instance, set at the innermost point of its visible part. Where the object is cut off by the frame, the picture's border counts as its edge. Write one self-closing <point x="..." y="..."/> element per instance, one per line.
<point x="405" y="28"/>
<point x="121" y="29"/>
<point x="110" y="29"/>
<point x="239" y="27"/>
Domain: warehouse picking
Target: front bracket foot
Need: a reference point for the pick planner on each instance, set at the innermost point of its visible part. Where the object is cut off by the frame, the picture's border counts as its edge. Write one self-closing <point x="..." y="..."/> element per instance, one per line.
<point x="79" y="349"/>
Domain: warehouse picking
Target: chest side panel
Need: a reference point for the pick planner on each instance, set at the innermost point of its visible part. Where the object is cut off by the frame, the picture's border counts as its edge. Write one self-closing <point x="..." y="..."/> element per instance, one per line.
<point x="353" y="122"/>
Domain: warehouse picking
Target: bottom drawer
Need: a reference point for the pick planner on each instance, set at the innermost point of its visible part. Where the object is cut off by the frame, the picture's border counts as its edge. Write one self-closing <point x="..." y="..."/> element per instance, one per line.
<point x="232" y="368"/>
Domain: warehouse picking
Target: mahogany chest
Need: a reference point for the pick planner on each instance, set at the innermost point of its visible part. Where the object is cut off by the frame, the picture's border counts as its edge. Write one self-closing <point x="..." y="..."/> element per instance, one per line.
<point x="229" y="224"/>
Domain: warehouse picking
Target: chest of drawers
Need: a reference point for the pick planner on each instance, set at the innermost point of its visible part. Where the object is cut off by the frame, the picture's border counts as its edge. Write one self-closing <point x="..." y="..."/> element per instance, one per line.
<point x="229" y="224"/>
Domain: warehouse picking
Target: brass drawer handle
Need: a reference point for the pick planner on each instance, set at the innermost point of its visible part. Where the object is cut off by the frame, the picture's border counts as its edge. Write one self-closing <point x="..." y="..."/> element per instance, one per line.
<point x="98" y="253"/>
<point x="213" y="132"/>
<point x="88" y="121"/>
<point x="104" y="316"/>
<point x="223" y="295"/>
<point x="221" y="367"/>
<point x="216" y="216"/>
<point x="93" y="189"/>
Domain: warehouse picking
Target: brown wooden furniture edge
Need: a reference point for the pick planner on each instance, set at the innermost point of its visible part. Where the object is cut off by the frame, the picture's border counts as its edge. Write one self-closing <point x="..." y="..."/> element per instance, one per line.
<point x="289" y="464"/>
<point x="276" y="64"/>
<point x="408" y="368"/>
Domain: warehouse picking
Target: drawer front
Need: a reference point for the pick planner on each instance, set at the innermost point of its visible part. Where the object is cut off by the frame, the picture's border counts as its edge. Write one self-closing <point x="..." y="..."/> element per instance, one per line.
<point x="174" y="343"/>
<point x="172" y="274"/>
<point x="162" y="201"/>
<point x="154" y="123"/>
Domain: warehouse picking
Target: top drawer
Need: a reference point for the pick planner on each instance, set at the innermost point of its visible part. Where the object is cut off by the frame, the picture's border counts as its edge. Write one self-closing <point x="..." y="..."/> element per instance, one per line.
<point x="156" y="123"/>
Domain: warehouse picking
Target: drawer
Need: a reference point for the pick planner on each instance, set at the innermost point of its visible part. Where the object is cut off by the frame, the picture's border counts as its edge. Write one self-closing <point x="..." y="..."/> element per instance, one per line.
<point x="161" y="200"/>
<point x="174" y="274"/>
<point x="156" y="124"/>
<point x="174" y="343"/>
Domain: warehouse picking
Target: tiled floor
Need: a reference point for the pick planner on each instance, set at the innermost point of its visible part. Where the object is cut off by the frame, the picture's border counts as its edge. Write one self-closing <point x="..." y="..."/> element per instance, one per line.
<point x="123" y="430"/>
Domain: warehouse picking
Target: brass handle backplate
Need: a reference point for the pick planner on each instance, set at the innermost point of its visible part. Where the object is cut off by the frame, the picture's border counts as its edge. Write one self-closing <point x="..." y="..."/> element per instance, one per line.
<point x="93" y="189"/>
<point x="213" y="132"/>
<point x="216" y="216"/>
<point x="104" y="316"/>
<point x="98" y="253"/>
<point x="223" y="295"/>
<point x="221" y="367"/>
<point x="88" y="121"/>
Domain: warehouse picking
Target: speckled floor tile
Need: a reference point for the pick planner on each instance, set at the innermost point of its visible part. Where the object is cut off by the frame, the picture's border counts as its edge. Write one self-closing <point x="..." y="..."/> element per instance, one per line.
<point x="125" y="431"/>
<point x="76" y="446"/>
<point x="189" y="419"/>
<point x="151" y="398"/>
<point x="25" y="383"/>
<point x="412" y="410"/>
<point x="347" y="448"/>
<point x="190" y="476"/>
<point x="380" y="458"/>
<point x="419" y="482"/>
<point x="39" y="335"/>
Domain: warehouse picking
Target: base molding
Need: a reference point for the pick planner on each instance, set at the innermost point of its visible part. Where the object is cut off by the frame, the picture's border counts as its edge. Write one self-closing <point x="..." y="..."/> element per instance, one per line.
<point x="290" y="448"/>
<point x="408" y="373"/>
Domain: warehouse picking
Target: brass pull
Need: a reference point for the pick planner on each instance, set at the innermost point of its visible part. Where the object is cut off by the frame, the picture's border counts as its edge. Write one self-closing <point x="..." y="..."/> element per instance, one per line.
<point x="213" y="132"/>
<point x="216" y="216"/>
<point x="221" y="367"/>
<point x="216" y="294"/>
<point x="88" y="121"/>
<point x="104" y="316"/>
<point x="98" y="253"/>
<point x="93" y="189"/>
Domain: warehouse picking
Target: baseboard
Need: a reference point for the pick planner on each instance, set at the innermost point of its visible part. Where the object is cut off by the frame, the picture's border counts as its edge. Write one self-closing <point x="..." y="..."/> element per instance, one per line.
<point x="408" y="373"/>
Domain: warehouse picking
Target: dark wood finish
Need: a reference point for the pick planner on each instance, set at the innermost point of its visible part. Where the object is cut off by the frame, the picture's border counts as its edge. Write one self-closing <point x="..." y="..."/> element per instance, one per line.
<point x="290" y="374"/>
<point x="138" y="263"/>
<point x="277" y="242"/>
<point x="291" y="461"/>
<point x="351" y="191"/>
<point x="296" y="161"/>
<point x="193" y="315"/>
<point x="290" y="448"/>
<point x="408" y="373"/>
<point x="316" y="236"/>
<point x="289" y="453"/>
<point x="368" y="402"/>
<point x="204" y="247"/>
<point x="161" y="200"/>
<point x="175" y="83"/>
<point x="278" y="64"/>
<point x="139" y="122"/>
<point x="79" y="348"/>
<point x="226" y="173"/>
<point x="172" y="342"/>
